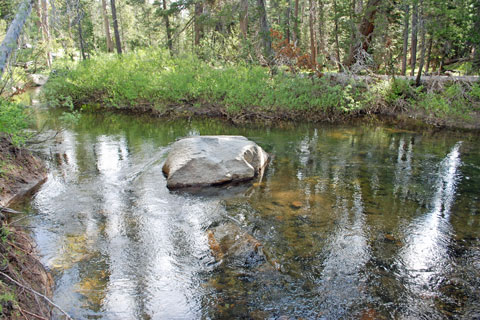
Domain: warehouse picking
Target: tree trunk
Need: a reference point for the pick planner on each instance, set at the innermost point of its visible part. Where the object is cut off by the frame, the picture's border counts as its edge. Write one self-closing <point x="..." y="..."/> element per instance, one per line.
<point x="198" y="23"/>
<point x="9" y="43"/>
<point x="107" y="26"/>
<point x="424" y="45"/>
<point x="321" y="27"/>
<point x="80" y="39"/>
<point x="353" y="28"/>
<point x="337" y="47"/>
<point x="167" y="27"/>
<point x="264" y="30"/>
<point x="365" y="30"/>
<point x="118" y="43"/>
<point x="405" y="39"/>
<point x="359" y="7"/>
<point x="122" y="30"/>
<point x="287" y="22"/>
<point x="476" y="32"/>
<point x="46" y="32"/>
<point x="244" y="18"/>
<point x="311" y="22"/>
<point x="295" y="24"/>
<point x="69" y="21"/>
<point x="429" y="54"/>
<point x="303" y="22"/>
<point x="37" y="5"/>
<point x="441" y="63"/>
<point x="413" y="49"/>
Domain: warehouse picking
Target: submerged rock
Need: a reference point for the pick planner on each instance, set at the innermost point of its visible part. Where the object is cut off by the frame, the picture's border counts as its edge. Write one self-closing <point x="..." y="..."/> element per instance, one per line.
<point x="230" y="243"/>
<point x="212" y="160"/>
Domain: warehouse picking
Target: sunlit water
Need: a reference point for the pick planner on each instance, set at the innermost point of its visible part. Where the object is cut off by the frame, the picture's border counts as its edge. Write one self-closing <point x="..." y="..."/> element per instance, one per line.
<point x="357" y="222"/>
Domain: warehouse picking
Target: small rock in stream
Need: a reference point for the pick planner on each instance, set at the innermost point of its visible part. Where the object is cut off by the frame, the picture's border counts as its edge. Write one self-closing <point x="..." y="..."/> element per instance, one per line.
<point x="237" y="248"/>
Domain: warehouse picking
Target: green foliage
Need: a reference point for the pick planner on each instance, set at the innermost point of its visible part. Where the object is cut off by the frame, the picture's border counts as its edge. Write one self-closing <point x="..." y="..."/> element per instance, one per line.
<point x="5" y="167"/>
<point x="154" y="78"/>
<point x="4" y="234"/>
<point x="475" y="91"/>
<point x="399" y="89"/>
<point x="6" y="298"/>
<point x="453" y="101"/>
<point x="434" y="103"/>
<point x="70" y="118"/>
<point x="14" y="119"/>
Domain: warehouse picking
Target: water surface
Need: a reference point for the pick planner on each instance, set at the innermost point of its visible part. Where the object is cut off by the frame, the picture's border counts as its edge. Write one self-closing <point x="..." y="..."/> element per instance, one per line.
<point x="356" y="221"/>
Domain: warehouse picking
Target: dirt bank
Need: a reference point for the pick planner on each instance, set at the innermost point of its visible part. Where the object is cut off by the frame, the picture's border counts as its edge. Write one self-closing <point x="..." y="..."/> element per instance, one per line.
<point x="24" y="282"/>
<point x="396" y="116"/>
<point x="20" y="171"/>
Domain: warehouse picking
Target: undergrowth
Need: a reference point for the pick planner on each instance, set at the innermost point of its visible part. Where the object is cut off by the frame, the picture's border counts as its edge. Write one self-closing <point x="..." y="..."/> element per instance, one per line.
<point x="14" y="119"/>
<point x="154" y="78"/>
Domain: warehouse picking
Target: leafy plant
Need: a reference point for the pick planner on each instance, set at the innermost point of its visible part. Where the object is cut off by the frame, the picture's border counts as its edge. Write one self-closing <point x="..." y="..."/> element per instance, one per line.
<point x="154" y="78"/>
<point x="14" y="119"/>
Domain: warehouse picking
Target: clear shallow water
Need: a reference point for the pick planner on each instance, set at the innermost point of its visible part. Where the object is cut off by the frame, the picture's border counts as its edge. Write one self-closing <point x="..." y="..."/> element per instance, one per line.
<point x="356" y="222"/>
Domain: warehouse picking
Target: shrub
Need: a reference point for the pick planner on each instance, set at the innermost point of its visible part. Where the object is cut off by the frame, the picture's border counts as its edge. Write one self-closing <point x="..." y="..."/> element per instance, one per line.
<point x="153" y="77"/>
<point x="14" y="119"/>
<point x="399" y="89"/>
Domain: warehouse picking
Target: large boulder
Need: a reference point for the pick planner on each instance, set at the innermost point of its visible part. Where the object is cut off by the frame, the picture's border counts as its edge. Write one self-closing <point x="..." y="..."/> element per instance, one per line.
<point x="213" y="160"/>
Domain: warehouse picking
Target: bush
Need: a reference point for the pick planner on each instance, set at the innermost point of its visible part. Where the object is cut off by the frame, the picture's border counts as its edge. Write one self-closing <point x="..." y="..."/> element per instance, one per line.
<point x="475" y="92"/>
<point x="399" y="89"/>
<point x="154" y="78"/>
<point x="14" y="119"/>
<point x="452" y="101"/>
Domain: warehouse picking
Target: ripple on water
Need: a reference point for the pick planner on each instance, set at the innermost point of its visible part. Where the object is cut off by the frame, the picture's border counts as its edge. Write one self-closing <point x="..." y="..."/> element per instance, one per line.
<point x="348" y="222"/>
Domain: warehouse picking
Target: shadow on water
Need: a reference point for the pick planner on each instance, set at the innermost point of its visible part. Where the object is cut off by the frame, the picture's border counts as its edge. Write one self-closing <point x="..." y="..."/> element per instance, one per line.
<point x="347" y="222"/>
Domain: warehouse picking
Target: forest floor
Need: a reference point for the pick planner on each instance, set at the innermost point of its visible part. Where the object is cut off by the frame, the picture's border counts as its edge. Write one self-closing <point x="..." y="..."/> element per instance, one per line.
<point x="24" y="282"/>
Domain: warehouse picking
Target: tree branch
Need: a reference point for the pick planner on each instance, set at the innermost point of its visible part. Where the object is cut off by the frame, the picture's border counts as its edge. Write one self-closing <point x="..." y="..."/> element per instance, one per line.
<point x="67" y="316"/>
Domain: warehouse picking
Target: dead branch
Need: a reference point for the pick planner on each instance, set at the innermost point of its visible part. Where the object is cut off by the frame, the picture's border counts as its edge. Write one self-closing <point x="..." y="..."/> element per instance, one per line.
<point x="33" y="314"/>
<point x="67" y="316"/>
<point x="9" y="211"/>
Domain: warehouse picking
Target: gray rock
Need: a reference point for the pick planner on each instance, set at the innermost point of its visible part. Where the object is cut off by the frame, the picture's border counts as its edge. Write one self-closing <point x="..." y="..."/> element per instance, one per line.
<point x="212" y="160"/>
<point x="38" y="79"/>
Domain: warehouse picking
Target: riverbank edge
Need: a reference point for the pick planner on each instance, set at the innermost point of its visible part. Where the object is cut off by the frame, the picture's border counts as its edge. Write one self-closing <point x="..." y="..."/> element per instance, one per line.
<point x="23" y="278"/>
<point x="403" y="119"/>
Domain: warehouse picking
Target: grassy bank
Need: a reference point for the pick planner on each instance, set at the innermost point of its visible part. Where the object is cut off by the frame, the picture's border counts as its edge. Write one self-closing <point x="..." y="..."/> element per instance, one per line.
<point x="20" y="271"/>
<point x="18" y="167"/>
<point x="154" y="80"/>
<point x="14" y="119"/>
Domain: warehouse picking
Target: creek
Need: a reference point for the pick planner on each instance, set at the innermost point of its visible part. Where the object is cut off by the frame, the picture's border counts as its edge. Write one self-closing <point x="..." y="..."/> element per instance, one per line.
<point x="358" y="221"/>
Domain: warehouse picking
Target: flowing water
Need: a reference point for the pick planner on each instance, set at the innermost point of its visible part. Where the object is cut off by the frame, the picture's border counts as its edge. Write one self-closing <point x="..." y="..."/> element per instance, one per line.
<point x="363" y="222"/>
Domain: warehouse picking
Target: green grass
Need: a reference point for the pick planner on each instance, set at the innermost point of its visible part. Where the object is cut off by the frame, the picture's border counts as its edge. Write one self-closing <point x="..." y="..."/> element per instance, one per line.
<point x="14" y="119"/>
<point x="6" y="299"/>
<point x="154" y="78"/>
